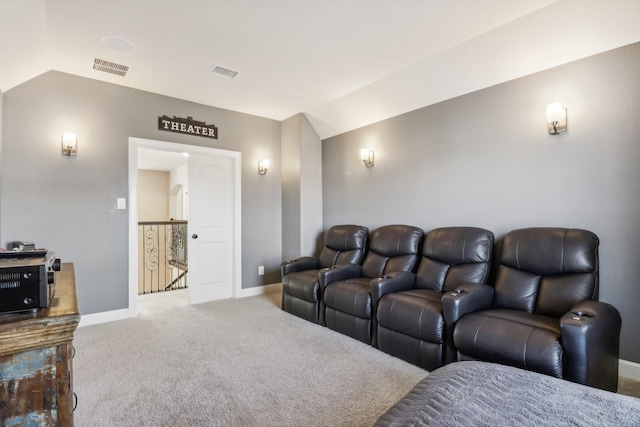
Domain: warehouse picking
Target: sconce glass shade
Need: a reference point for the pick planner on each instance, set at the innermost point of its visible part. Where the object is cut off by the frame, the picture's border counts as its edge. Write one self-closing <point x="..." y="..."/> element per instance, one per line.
<point x="367" y="157"/>
<point x="69" y="144"/>
<point x="556" y="118"/>
<point x="263" y="166"/>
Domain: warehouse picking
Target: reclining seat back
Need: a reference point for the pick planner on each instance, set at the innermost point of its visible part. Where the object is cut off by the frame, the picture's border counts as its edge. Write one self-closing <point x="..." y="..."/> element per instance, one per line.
<point x="392" y="248"/>
<point x="344" y="244"/>
<point x="348" y="305"/>
<point x="454" y="255"/>
<point x="547" y="276"/>
<point x="542" y="274"/>
<point x="301" y="294"/>
<point x="411" y="325"/>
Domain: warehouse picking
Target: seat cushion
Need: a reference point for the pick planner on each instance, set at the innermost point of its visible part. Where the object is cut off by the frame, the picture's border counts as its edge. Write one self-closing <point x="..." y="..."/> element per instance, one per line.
<point x="525" y="340"/>
<point x="351" y="296"/>
<point x="416" y="313"/>
<point x="302" y="284"/>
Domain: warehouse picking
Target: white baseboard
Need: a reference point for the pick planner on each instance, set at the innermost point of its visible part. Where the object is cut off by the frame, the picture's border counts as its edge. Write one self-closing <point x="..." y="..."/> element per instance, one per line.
<point x="629" y="370"/>
<point x="259" y="290"/>
<point x="104" y="317"/>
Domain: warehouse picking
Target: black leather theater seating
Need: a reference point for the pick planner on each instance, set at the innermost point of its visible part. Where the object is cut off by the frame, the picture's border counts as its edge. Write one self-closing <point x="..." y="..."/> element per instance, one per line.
<point x="411" y="324"/>
<point x="543" y="314"/>
<point x="534" y="306"/>
<point x="347" y="290"/>
<point x="343" y="244"/>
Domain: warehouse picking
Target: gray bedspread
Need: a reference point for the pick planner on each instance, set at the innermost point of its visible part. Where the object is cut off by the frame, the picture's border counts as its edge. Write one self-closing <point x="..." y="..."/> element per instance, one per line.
<point x="486" y="394"/>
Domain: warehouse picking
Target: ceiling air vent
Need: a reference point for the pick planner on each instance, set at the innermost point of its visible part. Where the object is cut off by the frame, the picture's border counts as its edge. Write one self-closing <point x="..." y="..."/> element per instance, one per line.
<point x="223" y="72"/>
<point x="110" y="67"/>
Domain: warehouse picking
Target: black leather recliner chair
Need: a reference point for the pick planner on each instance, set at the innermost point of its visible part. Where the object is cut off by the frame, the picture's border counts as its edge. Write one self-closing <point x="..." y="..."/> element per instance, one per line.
<point x="347" y="289"/>
<point x="344" y="244"/>
<point x="543" y="314"/>
<point x="411" y="324"/>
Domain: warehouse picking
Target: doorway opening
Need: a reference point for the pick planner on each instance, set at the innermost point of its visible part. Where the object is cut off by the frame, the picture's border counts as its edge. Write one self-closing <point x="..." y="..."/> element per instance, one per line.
<point x="161" y="238"/>
<point x="162" y="229"/>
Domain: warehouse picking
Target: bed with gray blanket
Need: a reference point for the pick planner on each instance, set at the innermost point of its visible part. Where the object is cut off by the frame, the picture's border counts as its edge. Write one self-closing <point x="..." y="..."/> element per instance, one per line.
<point x="487" y="394"/>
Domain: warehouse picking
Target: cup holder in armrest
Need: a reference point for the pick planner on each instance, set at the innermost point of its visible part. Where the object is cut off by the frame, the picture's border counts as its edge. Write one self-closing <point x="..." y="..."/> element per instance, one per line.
<point x="457" y="292"/>
<point x="578" y="315"/>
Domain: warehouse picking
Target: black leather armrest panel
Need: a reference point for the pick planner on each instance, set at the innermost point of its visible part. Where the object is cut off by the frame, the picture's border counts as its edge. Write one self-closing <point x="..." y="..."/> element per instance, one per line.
<point x="590" y="337"/>
<point x="298" y="264"/>
<point x="466" y="298"/>
<point x="393" y="282"/>
<point x="338" y="272"/>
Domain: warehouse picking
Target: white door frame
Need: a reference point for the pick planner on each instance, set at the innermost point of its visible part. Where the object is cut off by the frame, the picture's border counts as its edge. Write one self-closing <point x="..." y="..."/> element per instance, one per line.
<point x="134" y="144"/>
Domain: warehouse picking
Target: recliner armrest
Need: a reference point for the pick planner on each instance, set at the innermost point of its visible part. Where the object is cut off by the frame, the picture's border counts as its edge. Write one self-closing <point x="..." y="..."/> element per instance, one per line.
<point x="466" y="298"/>
<point x="393" y="282"/>
<point x="591" y="343"/>
<point x="299" y="264"/>
<point x="338" y="272"/>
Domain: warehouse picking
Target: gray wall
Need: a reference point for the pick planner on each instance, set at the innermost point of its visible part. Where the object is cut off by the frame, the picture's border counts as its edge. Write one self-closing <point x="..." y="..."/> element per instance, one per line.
<point x="311" y="188"/>
<point x="301" y="188"/>
<point x="291" y="191"/>
<point x="68" y="204"/>
<point x="486" y="159"/>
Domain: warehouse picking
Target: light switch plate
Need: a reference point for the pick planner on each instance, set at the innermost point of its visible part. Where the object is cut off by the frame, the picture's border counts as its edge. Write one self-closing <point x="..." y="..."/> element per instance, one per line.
<point x="121" y="203"/>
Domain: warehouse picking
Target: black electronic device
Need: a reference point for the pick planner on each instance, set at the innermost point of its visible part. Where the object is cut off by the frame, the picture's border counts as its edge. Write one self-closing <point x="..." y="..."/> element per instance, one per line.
<point x="27" y="279"/>
<point x="27" y="253"/>
<point x="21" y="245"/>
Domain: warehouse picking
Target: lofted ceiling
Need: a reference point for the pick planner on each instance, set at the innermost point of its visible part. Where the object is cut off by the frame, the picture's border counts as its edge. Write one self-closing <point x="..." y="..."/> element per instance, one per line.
<point x="344" y="63"/>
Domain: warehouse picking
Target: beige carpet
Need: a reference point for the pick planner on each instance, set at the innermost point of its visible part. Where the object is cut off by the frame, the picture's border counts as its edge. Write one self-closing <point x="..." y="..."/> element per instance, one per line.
<point x="238" y="362"/>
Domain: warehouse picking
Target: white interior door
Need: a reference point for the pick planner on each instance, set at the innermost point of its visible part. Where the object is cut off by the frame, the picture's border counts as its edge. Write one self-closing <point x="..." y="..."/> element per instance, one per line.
<point x="211" y="201"/>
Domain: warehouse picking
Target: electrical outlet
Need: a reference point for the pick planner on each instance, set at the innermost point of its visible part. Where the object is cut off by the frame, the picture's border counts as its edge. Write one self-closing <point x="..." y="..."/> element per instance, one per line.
<point x="261" y="270"/>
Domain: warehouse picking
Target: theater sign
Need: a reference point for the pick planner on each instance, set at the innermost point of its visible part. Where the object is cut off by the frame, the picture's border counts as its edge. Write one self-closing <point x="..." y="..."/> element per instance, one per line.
<point x="188" y="126"/>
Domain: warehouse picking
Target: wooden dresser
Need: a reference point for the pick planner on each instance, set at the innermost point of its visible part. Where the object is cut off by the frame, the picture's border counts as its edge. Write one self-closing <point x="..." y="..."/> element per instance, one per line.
<point x="36" y="352"/>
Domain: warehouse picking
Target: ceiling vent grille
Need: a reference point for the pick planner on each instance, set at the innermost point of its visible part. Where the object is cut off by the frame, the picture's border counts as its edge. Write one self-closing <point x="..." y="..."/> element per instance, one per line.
<point x="110" y="67"/>
<point x="224" y="72"/>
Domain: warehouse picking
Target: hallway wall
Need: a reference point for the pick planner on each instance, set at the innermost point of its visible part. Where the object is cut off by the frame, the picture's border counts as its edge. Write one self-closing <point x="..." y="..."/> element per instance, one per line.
<point x="153" y="195"/>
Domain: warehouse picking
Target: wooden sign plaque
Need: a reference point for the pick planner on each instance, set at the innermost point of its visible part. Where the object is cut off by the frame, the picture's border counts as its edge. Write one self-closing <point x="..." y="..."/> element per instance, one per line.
<point x="187" y="126"/>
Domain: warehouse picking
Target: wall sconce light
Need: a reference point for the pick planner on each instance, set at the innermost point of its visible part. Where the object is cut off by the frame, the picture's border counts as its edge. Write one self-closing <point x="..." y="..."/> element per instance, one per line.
<point x="556" y="118"/>
<point x="69" y="144"/>
<point x="367" y="157"/>
<point x="263" y="166"/>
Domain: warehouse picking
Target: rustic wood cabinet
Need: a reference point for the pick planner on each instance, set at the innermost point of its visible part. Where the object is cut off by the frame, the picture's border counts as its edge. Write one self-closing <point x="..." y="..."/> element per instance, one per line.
<point x="36" y="354"/>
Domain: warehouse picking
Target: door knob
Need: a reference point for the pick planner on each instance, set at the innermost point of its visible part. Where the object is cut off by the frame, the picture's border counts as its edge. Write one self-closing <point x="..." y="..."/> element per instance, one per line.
<point x="194" y="236"/>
